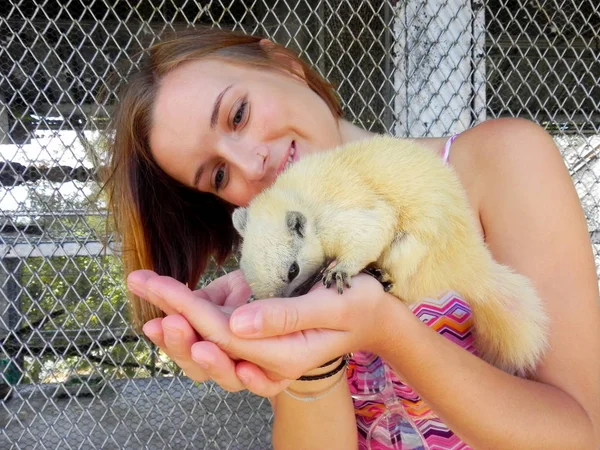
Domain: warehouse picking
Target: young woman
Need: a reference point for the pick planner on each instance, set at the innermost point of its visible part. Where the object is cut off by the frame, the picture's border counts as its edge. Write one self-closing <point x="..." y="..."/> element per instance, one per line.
<point x="209" y="121"/>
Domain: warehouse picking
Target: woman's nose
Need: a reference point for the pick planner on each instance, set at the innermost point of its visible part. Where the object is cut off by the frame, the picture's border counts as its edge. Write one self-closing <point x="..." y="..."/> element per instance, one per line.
<point x="251" y="160"/>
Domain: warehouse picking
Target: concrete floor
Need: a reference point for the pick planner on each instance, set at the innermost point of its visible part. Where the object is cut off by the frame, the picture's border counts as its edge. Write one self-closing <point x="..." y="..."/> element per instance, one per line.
<point x="152" y="413"/>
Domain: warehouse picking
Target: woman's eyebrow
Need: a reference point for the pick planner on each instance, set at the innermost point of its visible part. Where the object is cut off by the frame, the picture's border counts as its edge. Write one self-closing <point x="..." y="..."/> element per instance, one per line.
<point x="215" y="112"/>
<point x="197" y="175"/>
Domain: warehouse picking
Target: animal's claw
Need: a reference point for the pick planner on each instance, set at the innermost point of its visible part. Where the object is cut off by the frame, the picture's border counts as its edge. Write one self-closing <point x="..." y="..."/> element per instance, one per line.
<point x="387" y="286"/>
<point x="341" y="279"/>
<point x="375" y="272"/>
<point x="380" y="275"/>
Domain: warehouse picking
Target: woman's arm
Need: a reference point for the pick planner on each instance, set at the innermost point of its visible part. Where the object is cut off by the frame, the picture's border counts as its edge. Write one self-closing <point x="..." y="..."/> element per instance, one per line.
<point x="533" y="222"/>
<point x="327" y="422"/>
<point x="484" y="406"/>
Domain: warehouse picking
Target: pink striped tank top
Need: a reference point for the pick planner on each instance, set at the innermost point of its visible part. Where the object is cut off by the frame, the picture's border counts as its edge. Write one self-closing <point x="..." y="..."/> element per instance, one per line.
<point x="389" y="414"/>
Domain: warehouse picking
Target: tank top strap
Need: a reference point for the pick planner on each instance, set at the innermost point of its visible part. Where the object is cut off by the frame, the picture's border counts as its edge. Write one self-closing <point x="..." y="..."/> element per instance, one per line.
<point x="449" y="142"/>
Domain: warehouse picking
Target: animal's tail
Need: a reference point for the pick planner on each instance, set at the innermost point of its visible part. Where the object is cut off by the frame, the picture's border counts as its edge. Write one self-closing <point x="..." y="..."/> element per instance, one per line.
<point x="510" y="322"/>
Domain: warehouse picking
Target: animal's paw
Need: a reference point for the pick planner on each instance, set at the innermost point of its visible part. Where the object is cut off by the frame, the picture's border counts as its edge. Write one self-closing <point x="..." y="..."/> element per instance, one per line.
<point x="380" y="275"/>
<point x="374" y="271"/>
<point x="387" y="286"/>
<point x="341" y="278"/>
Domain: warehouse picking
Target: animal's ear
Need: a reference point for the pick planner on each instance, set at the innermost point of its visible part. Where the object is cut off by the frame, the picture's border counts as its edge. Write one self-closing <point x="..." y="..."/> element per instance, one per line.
<point x="296" y="222"/>
<point x="239" y="219"/>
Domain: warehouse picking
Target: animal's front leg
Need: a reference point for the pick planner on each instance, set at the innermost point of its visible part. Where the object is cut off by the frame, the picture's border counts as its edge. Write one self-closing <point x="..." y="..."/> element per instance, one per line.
<point x="345" y="269"/>
<point x="360" y="237"/>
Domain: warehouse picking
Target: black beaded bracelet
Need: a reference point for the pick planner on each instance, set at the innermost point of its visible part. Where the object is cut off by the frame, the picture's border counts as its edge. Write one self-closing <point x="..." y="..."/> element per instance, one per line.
<point x="326" y="374"/>
<point x="328" y="362"/>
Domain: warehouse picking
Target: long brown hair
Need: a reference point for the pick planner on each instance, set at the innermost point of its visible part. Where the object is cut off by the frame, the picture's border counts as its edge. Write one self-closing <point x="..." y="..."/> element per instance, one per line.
<point x="163" y="225"/>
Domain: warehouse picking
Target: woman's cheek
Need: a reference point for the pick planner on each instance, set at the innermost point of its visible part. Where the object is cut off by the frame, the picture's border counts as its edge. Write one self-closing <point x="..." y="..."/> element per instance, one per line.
<point x="241" y="194"/>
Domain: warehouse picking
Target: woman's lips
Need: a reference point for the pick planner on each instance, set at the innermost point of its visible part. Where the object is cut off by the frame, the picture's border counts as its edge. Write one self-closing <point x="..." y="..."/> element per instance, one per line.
<point x="289" y="158"/>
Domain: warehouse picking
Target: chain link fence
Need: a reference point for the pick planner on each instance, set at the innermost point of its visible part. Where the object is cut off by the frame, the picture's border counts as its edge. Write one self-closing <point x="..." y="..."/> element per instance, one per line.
<point x="72" y="372"/>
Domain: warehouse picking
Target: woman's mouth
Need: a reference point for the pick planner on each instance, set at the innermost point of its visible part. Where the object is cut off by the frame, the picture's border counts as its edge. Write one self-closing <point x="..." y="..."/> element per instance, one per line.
<point x="290" y="158"/>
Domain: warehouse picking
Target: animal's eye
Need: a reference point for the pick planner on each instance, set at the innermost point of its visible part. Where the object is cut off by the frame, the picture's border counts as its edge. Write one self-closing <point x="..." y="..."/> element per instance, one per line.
<point x="293" y="272"/>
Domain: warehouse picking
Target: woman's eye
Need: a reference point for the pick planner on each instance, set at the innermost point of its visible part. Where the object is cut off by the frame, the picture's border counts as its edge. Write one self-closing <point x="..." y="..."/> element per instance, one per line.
<point x="239" y="114"/>
<point x="293" y="272"/>
<point x="219" y="177"/>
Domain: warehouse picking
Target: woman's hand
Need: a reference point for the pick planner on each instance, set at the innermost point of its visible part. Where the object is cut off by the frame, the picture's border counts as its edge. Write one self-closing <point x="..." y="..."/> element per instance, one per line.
<point x="200" y="359"/>
<point x="284" y="337"/>
<point x="329" y="324"/>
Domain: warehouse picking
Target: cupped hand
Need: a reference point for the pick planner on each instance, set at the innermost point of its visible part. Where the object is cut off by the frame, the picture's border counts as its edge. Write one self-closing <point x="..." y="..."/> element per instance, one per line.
<point x="201" y="359"/>
<point x="278" y="339"/>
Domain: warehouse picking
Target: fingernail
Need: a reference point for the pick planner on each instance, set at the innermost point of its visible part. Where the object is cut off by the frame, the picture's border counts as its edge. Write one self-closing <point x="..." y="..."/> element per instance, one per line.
<point x="145" y="329"/>
<point x="203" y="365"/>
<point x="247" y="323"/>
<point x="150" y="335"/>
<point x="201" y="362"/>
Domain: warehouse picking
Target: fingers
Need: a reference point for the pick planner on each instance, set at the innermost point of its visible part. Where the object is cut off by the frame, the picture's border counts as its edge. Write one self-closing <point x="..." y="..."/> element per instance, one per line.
<point x="153" y="331"/>
<point x="284" y="357"/>
<point x="199" y="360"/>
<point x="217" y="365"/>
<point x="137" y="282"/>
<point x="174" y="337"/>
<point x="239" y="289"/>
<point x="175" y="298"/>
<point x="257" y="382"/>
<point x="234" y="378"/>
<point x="178" y="337"/>
<point x="230" y="290"/>
<point x="320" y="308"/>
<point x="217" y="290"/>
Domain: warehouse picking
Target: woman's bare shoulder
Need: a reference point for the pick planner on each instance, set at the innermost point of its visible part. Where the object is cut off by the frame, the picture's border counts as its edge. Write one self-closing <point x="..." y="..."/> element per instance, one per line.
<point x="491" y="153"/>
<point x="533" y="221"/>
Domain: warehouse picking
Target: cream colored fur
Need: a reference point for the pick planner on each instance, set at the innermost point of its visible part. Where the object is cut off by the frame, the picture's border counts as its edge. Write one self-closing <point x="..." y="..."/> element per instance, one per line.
<point x="395" y="204"/>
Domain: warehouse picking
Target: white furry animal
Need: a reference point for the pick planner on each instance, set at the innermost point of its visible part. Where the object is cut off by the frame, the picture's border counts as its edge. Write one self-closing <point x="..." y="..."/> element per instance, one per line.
<point x="395" y="205"/>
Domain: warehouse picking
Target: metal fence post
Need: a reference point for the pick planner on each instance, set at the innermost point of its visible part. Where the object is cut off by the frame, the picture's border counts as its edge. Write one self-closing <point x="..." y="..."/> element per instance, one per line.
<point x="4" y="123"/>
<point x="438" y="55"/>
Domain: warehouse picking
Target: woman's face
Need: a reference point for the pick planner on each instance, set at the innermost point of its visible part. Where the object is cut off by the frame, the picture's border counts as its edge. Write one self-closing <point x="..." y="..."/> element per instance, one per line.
<point x="230" y="129"/>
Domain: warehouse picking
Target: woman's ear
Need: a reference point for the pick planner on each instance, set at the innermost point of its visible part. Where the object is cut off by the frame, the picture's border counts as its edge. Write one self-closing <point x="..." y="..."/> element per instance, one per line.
<point x="288" y="61"/>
